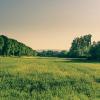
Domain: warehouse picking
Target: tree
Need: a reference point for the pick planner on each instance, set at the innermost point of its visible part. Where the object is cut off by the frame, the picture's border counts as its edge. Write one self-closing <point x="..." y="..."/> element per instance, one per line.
<point x="63" y="53"/>
<point x="80" y="46"/>
<point x="1" y="45"/>
<point x="95" y="50"/>
<point x="11" y="47"/>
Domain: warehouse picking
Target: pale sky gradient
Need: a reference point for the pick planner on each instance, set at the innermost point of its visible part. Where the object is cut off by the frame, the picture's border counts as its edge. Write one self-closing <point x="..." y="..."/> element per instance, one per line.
<point x="49" y="24"/>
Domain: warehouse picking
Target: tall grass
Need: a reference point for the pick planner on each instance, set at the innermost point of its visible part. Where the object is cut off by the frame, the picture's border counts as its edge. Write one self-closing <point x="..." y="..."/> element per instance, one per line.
<point x="48" y="79"/>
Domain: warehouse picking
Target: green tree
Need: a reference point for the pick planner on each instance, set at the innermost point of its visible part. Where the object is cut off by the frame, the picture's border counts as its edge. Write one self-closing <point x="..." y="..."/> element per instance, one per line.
<point x="11" y="47"/>
<point x="95" y="50"/>
<point x="80" y="46"/>
<point x="1" y="45"/>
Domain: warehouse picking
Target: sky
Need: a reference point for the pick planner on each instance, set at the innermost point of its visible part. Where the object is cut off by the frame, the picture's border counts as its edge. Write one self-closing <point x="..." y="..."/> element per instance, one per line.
<point x="49" y="24"/>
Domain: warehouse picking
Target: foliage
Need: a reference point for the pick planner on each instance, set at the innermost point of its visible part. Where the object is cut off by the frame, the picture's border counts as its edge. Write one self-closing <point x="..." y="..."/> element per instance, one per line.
<point x="52" y="53"/>
<point x="12" y="47"/>
<point x="80" y="46"/>
<point x="1" y="44"/>
<point x="95" y="50"/>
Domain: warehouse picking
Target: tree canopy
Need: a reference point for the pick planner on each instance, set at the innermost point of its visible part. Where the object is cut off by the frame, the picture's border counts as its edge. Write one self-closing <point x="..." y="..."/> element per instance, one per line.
<point x="12" y="47"/>
<point x="95" y="50"/>
<point x="80" y="46"/>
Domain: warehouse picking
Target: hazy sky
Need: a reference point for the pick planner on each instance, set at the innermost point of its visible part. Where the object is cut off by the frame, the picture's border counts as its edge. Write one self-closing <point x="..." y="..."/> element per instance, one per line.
<point x="49" y="24"/>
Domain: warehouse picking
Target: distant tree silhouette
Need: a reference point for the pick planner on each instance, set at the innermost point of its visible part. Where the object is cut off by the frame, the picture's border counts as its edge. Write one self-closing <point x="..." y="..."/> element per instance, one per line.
<point x="52" y="53"/>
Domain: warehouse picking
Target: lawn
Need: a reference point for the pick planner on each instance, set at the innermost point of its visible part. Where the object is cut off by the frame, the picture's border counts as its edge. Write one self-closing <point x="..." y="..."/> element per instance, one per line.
<point x="28" y="78"/>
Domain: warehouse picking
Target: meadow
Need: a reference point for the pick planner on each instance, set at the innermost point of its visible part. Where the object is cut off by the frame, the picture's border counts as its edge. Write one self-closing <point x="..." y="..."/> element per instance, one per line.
<point x="35" y="78"/>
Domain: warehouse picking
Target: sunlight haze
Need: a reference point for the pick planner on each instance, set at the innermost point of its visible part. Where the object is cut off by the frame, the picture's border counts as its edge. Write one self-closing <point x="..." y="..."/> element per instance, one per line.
<point x="49" y="24"/>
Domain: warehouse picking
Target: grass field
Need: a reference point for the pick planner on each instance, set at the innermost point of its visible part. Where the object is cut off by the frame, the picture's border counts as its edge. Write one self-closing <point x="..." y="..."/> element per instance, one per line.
<point x="48" y="79"/>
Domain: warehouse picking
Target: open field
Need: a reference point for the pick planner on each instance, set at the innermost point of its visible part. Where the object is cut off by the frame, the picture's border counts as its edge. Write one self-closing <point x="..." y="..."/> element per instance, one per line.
<point x="48" y="79"/>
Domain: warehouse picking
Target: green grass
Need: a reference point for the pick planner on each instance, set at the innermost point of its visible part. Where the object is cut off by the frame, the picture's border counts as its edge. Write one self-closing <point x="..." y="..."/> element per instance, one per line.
<point x="48" y="79"/>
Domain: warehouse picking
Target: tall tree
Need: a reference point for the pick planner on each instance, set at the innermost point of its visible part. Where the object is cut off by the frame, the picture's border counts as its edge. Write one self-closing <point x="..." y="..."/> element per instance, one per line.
<point x="80" y="46"/>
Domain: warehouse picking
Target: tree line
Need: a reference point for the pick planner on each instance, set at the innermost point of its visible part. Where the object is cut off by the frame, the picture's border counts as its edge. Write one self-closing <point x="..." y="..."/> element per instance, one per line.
<point x="11" y="47"/>
<point x="52" y="53"/>
<point x="82" y="47"/>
